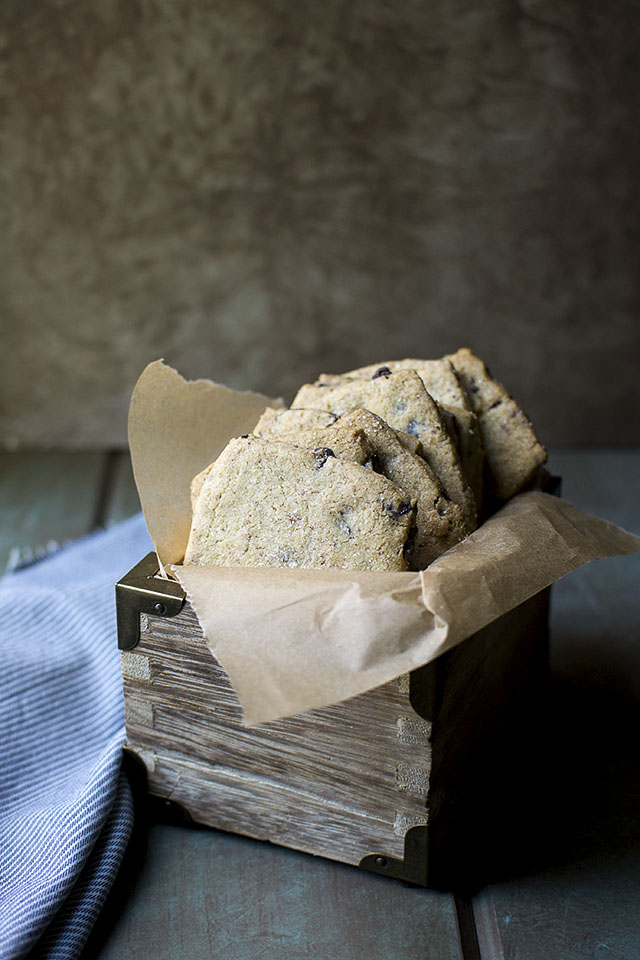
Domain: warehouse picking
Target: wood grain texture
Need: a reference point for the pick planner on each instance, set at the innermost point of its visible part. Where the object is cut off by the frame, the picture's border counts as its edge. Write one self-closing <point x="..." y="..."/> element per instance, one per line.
<point x="349" y="780"/>
<point x="343" y="782"/>
<point x="262" y="191"/>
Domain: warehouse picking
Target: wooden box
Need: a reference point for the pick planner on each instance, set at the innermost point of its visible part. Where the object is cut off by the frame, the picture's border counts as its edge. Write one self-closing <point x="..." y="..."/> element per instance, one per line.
<point x="398" y="781"/>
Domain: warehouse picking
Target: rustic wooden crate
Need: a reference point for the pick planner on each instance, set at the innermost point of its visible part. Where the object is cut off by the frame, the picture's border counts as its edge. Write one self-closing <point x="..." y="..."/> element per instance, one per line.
<point x="398" y="780"/>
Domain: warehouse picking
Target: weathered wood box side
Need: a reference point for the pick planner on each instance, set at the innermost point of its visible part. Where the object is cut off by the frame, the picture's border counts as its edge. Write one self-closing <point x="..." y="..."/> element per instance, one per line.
<point x="394" y="780"/>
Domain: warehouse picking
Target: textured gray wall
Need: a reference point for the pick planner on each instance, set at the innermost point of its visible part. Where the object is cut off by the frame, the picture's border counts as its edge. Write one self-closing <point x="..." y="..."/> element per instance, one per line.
<point x="259" y="190"/>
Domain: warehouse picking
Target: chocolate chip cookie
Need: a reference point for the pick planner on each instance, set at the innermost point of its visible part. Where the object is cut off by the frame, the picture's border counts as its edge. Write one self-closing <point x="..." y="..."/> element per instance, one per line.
<point x="401" y="399"/>
<point x="270" y="503"/>
<point x="438" y="376"/>
<point x="275" y="421"/>
<point x="513" y="453"/>
<point x="443" y="384"/>
<point x="364" y="438"/>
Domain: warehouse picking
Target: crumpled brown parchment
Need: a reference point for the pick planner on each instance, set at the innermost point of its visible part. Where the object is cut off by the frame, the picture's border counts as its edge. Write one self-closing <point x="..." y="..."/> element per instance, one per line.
<point x="293" y="640"/>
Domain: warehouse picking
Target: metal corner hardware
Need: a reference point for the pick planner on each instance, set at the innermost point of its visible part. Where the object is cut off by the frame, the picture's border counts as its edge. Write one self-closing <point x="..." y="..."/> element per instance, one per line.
<point x="413" y="868"/>
<point x="141" y="591"/>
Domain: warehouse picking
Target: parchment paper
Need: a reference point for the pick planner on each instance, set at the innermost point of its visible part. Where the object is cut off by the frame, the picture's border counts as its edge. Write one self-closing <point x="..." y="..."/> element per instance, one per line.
<point x="294" y="640"/>
<point x="178" y="427"/>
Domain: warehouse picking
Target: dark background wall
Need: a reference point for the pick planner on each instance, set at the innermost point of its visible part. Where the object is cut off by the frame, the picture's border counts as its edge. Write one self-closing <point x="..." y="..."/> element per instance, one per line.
<point x="260" y="190"/>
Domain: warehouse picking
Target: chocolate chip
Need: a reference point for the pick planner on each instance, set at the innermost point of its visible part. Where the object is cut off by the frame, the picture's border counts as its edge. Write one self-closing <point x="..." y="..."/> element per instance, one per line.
<point x="245" y="436"/>
<point x="402" y="509"/>
<point x="344" y="525"/>
<point x="321" y="455"/>
<point x="381" y="372"/>
<point x="440" y="507"/>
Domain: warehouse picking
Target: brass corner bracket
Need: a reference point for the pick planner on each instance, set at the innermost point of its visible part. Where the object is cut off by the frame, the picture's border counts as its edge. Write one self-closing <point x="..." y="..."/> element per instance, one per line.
<point x="413" y="868"/>
<point x="141" y="591"/>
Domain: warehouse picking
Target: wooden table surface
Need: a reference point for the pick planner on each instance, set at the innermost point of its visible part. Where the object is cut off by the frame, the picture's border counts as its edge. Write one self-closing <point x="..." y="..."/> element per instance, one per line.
<point x="565" y="882"/>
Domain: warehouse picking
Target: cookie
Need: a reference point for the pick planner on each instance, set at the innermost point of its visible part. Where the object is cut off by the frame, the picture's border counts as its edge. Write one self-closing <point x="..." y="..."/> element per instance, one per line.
<point x="443" y="384"/>
<point x="438" y="376"/>
<point x="269" y="503"/>
<point x="512" y="451"/>
<point x="274" y="421"/>
<point x="346" y="438"/>
<point x="440" y="523"/>
<point x="345" y="442"/>
<point x="401" y="399"/>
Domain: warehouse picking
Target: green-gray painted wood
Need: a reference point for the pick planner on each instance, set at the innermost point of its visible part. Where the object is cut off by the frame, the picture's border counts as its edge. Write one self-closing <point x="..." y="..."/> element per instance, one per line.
<point x="202" y="894"/>
<point x="46" y="496"/>
<point x="123" y="496"/>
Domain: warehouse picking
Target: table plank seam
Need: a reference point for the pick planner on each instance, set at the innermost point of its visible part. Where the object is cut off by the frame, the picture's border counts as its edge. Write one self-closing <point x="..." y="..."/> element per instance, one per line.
<point x="105" y="490"/>
<point x="467" y="933"/>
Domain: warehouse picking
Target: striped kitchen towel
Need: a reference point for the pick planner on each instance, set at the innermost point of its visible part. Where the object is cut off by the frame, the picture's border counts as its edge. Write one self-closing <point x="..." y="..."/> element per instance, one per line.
<point x="65" y="806"/>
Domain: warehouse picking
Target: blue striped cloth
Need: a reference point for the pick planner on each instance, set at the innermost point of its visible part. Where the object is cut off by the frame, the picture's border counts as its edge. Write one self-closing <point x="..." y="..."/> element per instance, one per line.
<point x="65" y="806"/>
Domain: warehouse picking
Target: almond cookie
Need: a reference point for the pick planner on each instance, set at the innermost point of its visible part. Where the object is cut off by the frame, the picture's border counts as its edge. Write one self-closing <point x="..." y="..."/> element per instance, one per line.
<point x="269" y="503"/>
<point x="442" y="382"/>
<point x="512" y="450"/>
<point x="363" y="434"/>
<point x="401" y="399"/>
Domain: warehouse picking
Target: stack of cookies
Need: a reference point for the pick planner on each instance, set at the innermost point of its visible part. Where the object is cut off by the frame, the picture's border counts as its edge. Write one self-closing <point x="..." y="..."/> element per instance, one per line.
<point x="381" y="468"/>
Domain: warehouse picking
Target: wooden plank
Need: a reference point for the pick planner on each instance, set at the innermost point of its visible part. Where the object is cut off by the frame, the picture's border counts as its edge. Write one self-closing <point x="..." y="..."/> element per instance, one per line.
<point x="203" y="894"/>
<point x="584" y="909"/>
<point x="46" y="496"/>
<point x="575" y="830"/>
<point x="123" y="500"/>
<point x="344" y="781"/>
<point x="347" y="780"/>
